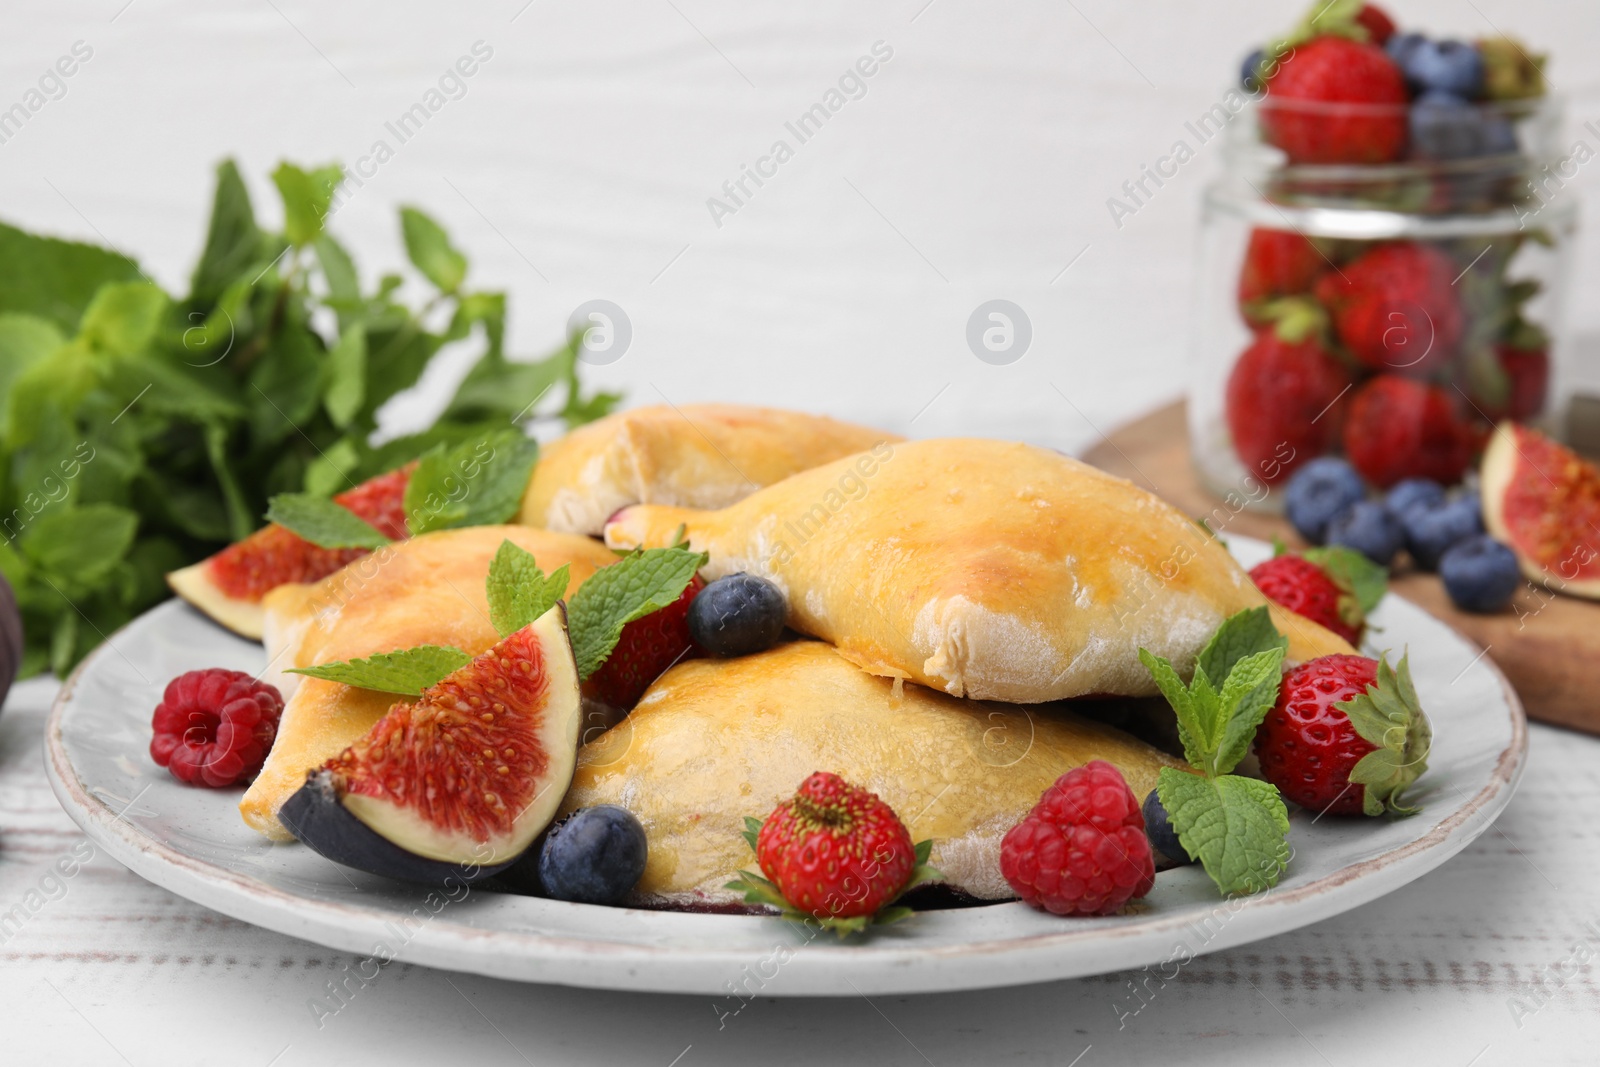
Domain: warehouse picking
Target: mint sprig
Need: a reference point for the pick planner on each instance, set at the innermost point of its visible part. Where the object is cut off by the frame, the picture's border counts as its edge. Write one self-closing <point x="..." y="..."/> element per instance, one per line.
<point x="518" y="590"/>
<point x="475" y="483"/>
<point x="1390" y="716"/>
<point x="1236" y="827"/>
<point x="406" y="672"/>
<point x="647" y="580"/>
<point x="759" y="890"/>
<point x="322" y="522"/>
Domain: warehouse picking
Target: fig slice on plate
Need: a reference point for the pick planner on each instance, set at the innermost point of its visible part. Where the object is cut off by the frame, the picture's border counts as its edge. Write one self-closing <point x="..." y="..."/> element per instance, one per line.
<point x="460" y="783"/>
<point x="229" y="586"/>
<point x="1543" y="500"/>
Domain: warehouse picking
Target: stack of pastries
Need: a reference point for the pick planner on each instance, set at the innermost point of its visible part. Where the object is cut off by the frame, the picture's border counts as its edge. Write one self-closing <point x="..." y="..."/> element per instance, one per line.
<point x="949" y="600"/>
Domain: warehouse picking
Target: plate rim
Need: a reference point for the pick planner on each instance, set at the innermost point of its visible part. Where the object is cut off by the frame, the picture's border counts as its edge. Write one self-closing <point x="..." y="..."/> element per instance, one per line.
<point x="542" y="958"/>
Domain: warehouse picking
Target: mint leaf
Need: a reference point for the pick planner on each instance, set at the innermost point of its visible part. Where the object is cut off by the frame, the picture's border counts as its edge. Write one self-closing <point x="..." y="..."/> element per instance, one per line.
<point x="1390" y="716"/>
<point x="322" y="522"/>
<point x="1240" y="635"/>
<point x="338" y="270"/>
<point x="646" y="581"/>
<point x="82" y="544"/>
<point x="233" y="241"/>
<point x="430" y="250"/>
<point x="55" y="279"/>
<point x="406" y="672"/>
<point x="25" y="340"/>
<point x="1247" y="696"/>
<point x="517" y="589"/>
<point x="123" y="318"/>
<point x="475" y="483"/>
<point x="1234" y="826"/>
<point x="307" y="196"/>
<point x="1350" y="570"/>
<point x="347" y="376"/>
<point x="1191" y="729"/>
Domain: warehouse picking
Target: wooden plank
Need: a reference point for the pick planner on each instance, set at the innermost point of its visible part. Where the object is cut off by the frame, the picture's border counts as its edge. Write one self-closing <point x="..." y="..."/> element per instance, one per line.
<point x="1548" y="645"/>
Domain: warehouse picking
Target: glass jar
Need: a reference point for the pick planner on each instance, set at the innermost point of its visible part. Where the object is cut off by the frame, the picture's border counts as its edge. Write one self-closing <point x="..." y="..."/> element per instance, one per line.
<point x="1389" y="312"/>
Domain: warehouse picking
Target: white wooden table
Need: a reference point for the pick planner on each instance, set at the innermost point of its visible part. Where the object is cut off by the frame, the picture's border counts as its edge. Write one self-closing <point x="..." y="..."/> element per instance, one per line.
<point x="108" y="969"/>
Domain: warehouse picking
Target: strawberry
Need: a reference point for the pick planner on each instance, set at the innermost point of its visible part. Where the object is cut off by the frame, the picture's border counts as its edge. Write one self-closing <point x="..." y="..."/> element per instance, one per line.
<point x="1347" y="735"/>
<point x="1336" y="100"/>
<point x="1276" y="263"/>
<point x="1376" y="21"/>
<point x="836" y="851"/>
<point x="1283" y="396"/>
<point x="1395" y="307"/>
<point x="1298" y="584"/>
<point x="1399" y="428"/>
<point x="647" y="647"/>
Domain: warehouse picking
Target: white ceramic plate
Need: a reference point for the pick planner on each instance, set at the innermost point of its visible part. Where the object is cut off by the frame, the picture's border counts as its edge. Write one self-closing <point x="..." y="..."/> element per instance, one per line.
<point x="192" y="842"/>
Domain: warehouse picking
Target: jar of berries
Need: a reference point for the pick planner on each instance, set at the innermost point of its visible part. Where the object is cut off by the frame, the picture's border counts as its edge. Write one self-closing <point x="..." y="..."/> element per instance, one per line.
<point x="1383" y="260"/>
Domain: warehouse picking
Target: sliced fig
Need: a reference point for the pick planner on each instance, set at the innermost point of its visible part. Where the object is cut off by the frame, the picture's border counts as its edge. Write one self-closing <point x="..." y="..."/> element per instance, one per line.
<point x="1543" y="500"/>
<point x="461" y="782"/>
<point x="229" y="585"/>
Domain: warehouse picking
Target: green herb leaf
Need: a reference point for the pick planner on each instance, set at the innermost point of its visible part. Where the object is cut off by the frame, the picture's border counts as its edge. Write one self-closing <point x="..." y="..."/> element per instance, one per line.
<point x="56" y="279"/>
<point x="1236" y="827"/>
<point x="123" y="318"/>
<point x="25" y="340"/>
<point x="1390" y="716"/>
<point x="1359" y="576"/>
<point x="517" y="589"/>
<point x="233" y="240"/>
<point x="474" y="483"/>
<point x="430" y="250"/>
<point x="82" y="544"/>
<point x="646" y="581"/>
<point x="347" y="376"/>
<point x="307" y="196"/>
<point x="406" y="672"/>
<point x="752" y="831"/>
<point x="1241" y="635"/>
<point x="322" y="522"/>
<point x="1250" y="692"/>
<point x="1192" y="732"/>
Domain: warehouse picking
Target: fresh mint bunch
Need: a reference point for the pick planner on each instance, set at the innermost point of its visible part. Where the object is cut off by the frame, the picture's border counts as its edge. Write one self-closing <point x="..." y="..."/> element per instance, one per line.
<point x="1236" y="827"/>
<point x="141" y="430"/>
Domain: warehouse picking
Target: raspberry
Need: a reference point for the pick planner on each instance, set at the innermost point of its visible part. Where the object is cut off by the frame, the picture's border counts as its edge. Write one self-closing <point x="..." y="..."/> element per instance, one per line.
<point x="1082" y="850"/>
<point x="834" y="850"/>
<point x="214" y="727"/>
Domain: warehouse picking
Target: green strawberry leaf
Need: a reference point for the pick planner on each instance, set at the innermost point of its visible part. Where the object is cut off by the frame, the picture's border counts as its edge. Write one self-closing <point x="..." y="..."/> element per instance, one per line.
<point x="1236" y="827"/>
<point x="1390" y="716"/>
<point x="646" y="581"/>
<point x="517" y="589"/>
<point x="322" y="522"/>
<point x="406" y="672"/>
<point x="1363" y="579"/>
<point x="922" y="850"/>
<point x="474" y="483"/>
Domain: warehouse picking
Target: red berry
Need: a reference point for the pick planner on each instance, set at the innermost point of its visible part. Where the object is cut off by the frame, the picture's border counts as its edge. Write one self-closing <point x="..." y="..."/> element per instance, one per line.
<point x="1307" y="746"/>
<point x="1398" y="428"/>
<point x="1379" y="26"/>
<point x="214" y="727"/>
<point x="1283" y="403"/>
<point x="647" y="647"/>
<point x="834" y="850"/>
<point x="1396" y="308"/>
<point x="1334" y="100"/>
<point x="1527" y="380"/>
<point x="1276" y="263"/>
<point x="1307" y="590"/>
<point x="1082" y="850"/>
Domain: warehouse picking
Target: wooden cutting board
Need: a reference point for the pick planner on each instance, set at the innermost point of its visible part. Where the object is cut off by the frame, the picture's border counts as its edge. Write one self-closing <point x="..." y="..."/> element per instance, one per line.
<point x="1547" y="645"/>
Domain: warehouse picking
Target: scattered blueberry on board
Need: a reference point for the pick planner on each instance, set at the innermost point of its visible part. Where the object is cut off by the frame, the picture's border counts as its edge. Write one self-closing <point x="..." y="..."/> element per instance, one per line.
<point x="1480" y="574"/>
<point x="1319" y="491"/>
<point x="595" y="856"/>
<point x="1407" y="494"/>
<point x="1158" y="828"/>
<point x="737" y="615"/>
<point x="1433" y="529"/>
<point x="1369" y="528"/>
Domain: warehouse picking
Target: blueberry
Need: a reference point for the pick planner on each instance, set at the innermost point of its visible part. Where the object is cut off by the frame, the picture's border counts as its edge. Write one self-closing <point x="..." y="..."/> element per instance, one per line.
<point x="1367" y="527"/>
<point x="595" y="857"/>
<point x="1401" y="45"/>
<point x="1444" y="126"/>
<point x="737" y="615"/>
<point x="1412" y="491"/>
<point x="1480" y="574"/>
<point x="1433" y="529"/>
<point x="1453" y="66"/>
<point x="1248" y="70"/>
<point x="1158" y="828"/>
<point x="1499" y="136"/>
<point x="1319" y="491"/>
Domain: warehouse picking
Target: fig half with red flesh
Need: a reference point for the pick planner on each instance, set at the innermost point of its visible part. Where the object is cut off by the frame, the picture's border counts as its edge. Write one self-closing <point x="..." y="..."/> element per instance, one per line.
<point x="1543" y="500"/>
<point x="229" y="585"/>
<point x="460" y="783"/>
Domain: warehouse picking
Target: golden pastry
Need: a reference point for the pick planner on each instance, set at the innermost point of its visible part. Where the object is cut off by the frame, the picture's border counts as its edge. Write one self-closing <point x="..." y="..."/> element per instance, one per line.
<point x="697" y="455"/>
<point x="427" y="590"/>
<point x="716" y="740"/>
<point x="981" y="568"/>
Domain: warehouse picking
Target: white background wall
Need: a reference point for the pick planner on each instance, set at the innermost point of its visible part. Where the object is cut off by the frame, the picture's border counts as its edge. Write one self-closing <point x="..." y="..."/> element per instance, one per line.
<point x="977" y="166"/>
